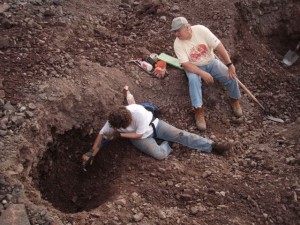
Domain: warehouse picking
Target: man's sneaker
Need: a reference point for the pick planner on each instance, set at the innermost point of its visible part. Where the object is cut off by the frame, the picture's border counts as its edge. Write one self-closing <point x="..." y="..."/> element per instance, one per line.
<point x="199" y="117"/>
<point x="220" y="148"/>
<point x="236" y="107"/>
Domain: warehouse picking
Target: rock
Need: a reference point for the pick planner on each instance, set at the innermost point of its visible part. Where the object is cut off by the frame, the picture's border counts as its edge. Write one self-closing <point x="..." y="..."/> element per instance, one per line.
<point x="175" y="8"/>
<point x="29" y="114"/>
<point x="4" y="7"/>
<point x="31" y="106"/>
<point x="161" y="214"/>
<point x="8" y="106"/>
<point x="18" y="120"/>
<point x="138" y="217"/>
<point x="186" y="197"/>
<point x="2" y="94"/>
<point x="121" y="202"/>
<point x="206" y="174"/>
<point x="4" y="42"/>
<point x="194" y="210"/>
<point x="3" y="133"/>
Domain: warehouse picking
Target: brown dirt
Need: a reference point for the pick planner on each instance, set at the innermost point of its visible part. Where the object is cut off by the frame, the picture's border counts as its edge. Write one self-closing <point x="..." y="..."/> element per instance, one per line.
<point x="68" y="59"/>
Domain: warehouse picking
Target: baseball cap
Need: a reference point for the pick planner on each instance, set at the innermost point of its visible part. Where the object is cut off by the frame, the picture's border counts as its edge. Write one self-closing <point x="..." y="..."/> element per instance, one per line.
<point x="178" y="22"/>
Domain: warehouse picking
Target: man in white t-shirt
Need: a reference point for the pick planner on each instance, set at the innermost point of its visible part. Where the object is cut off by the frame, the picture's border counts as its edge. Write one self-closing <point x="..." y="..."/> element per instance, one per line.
<point x="194" y="47"/>
<point x="134" y="122"/>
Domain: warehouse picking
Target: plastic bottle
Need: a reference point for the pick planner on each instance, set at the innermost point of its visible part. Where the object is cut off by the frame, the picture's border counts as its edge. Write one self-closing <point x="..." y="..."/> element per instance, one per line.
<point x="146" y="66"/>
<point x="128" y="95"/>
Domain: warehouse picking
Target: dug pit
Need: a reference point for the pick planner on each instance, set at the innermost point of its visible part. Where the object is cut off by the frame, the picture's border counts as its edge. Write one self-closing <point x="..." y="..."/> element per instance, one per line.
<point x="62" y="181"/>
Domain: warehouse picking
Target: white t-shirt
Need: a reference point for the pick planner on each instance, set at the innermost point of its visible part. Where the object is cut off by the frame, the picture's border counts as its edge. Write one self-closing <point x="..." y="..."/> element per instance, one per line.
<point x="199" y="49"/>
<point x="141" y="119"/>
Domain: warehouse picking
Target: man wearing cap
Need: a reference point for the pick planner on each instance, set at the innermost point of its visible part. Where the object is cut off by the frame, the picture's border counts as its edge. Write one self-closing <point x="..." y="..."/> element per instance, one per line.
<point x="194" y="47"/>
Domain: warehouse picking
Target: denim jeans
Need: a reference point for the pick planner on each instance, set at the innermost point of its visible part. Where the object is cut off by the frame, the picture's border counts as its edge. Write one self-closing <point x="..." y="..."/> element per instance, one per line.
<point x="219" y="72"/>
<point x="167" y="132"/>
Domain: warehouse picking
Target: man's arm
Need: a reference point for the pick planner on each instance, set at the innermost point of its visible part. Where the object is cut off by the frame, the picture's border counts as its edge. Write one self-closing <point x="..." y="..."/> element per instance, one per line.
<point x="96" y="144"/>
<point x="131" y="135"/>
<point x="99" y="138"/>
<point x="189" y="67"/>
<point x="89" y="156"/>
<point x="226" y="58"/>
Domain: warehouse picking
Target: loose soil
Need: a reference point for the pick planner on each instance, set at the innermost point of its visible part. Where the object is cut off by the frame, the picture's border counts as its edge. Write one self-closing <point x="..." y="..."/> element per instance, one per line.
<point x="64" y="64"/>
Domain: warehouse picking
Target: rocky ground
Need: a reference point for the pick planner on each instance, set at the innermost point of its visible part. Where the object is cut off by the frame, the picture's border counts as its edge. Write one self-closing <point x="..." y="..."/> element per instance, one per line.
<point x="63" y="66"/>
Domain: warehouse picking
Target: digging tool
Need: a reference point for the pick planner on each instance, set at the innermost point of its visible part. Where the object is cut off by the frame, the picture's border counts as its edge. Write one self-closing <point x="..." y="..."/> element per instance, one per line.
<point x="137" y="62"/>
<point x="255" y="99"/>
<point x="291" y="56"/>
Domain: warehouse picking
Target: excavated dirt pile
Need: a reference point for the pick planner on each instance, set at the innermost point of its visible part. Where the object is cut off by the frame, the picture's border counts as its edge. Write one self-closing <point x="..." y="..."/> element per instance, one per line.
<point x="63" y="67"/>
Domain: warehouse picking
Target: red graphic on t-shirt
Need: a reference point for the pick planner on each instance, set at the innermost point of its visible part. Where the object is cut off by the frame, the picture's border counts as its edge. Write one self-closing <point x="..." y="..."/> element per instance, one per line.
<point x="198" y="52"/>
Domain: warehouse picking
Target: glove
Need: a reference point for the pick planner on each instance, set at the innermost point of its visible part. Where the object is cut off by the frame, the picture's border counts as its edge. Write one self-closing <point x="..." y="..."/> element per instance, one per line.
<point x="87" y="158"/>
<point x="113" y="136"/>
<point x="160" y="69"/>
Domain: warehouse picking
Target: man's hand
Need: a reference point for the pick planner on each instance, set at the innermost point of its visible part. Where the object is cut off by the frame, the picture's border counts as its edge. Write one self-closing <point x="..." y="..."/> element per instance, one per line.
<point x="231" y="72"/>
<point x="113" y="136"/>
<point x="87" y="158"/>
<point x="207" y="77"/>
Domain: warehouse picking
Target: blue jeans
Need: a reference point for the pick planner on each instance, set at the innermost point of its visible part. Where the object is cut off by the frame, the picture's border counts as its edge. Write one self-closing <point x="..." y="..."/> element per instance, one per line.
<point x="219" y="72"/>
<point x="167" y="132"/>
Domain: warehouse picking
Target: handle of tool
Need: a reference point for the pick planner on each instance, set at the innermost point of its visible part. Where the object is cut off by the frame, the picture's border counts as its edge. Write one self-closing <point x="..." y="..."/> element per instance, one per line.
<point x="250" y="94"/>
<point x="298" y="45"/>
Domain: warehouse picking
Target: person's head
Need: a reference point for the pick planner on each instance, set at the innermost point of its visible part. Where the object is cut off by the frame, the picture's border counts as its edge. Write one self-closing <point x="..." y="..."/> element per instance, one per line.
<point x="181" y="28"/>
<point x="120" y="117"/>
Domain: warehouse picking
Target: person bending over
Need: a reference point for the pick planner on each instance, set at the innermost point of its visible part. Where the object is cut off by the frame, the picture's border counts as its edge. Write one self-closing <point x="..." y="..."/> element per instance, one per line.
<point x="142" y="128"/>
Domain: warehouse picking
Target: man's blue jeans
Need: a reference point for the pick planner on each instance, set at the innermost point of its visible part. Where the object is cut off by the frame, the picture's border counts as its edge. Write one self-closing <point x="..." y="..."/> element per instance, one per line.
<point x="167" y="132"/>
<point x="219" y="72"/>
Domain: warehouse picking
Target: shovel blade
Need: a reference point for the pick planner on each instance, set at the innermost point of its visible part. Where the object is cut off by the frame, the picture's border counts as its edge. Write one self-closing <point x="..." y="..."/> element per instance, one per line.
<point x="274" y="119"/>
<point x="290" y="58"/>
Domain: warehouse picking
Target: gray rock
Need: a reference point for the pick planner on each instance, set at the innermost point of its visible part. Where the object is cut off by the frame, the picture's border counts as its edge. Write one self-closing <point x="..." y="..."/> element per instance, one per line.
<point x="2" y="94"/>
<point x="18" y="120"/>
<point x="138" y="217"/>
<point x="161" y="214"/>
<point x="29" y="114"/>
<point x="3" y="133"/>
<point x="8" y="106"/>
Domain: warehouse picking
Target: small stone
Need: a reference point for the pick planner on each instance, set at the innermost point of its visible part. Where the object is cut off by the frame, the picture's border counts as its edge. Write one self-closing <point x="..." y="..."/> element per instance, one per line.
<point x="161" y="214"/>
<point x="22" y="109"/>
<point x="206" y="174"/>
<point x="186" y="197"/>
<point x="3" y="132"/>
<point x="194" y="210"/>
<point x="18" y="120"/>
<point x="138" y="217"/>
<point x="29" y="114"/>
<point x="2" y="94"/>
<point x="31" y="106"/>
<point x="121" y="202"/>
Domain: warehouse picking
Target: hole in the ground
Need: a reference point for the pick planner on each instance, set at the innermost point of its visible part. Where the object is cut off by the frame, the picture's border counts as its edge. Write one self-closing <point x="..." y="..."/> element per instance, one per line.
<point x="60" y="177"/>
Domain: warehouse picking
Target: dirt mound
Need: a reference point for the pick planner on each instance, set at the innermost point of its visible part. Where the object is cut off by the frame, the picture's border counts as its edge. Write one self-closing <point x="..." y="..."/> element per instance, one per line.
<point x="64" y="66"/>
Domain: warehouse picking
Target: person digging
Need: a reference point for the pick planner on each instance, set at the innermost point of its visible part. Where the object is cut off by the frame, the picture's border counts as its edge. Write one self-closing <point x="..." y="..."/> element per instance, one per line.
<point x="194" y="47"/>
<point x="135" y="123"/>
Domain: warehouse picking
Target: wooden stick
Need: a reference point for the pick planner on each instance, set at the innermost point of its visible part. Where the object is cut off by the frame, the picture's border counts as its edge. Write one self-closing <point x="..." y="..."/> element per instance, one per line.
<point x="250" y="94"/>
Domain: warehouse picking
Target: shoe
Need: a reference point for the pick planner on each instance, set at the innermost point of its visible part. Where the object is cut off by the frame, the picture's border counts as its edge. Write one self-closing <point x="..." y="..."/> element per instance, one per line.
<point x="220" y="148"/>
<point x="236" y="107"/>
<point x="199" y="117"/>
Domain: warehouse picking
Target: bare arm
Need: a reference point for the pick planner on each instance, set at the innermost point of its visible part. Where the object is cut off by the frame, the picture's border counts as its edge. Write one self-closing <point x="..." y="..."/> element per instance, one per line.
<point x="226" y="58"/>
<point x="123" y="135"/>
<point x="189" y="67"/>
<point x="131" y="135"/>
<point x="96" y="144"/>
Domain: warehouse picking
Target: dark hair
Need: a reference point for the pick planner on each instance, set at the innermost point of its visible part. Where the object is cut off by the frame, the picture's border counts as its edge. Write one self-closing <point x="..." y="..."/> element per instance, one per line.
<point x="120" y="117"/>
